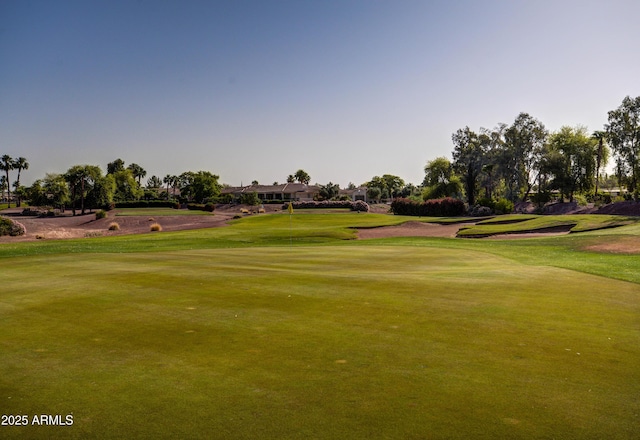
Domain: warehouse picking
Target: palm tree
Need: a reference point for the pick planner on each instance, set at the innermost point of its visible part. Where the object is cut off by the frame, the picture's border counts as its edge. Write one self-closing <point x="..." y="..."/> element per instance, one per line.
<point x="19" y="164"/>
<point x="601" y="137"/>
<point x="302" y="177"/>
<point x="79" y="176"/>
<point x="168" y="180"/>
<point x="137" y="171"/>
<point x="3" y="185"/>
<point x="7" y="164"/>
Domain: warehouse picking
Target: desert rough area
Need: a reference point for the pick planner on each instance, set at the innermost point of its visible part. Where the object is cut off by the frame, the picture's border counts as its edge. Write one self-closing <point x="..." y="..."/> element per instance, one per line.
<point x="85" y="226"/>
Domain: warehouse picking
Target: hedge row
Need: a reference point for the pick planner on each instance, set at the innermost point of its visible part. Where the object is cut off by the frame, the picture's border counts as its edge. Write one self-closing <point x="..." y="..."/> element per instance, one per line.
<point x="359" y="205"/>
<point x="147" y="204"/>
<point x="209" y="207"/>
<point x="447" y="207"/>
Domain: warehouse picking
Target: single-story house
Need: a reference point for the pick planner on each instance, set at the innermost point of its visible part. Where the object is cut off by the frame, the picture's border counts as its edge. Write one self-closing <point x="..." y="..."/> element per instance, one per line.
<point x="294" y="192"/>
<point x="355" y="194"/>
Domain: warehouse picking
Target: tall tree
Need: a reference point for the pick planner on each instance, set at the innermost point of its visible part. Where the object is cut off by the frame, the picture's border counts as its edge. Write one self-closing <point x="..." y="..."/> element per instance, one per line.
<point x="571" y="159"/>
<point x="3" y="185"/>
<point x="469" y="156"/>
<point x="440" y="180"/>
<point x="291" y="178"/>
<point x="623" y="134"/>
<point x="102" y="191"/>
<point x="170" y="181"/>
<point x="126" y="186"/>
<point x="329" y="191"/>
<point x="6" y="165"/>
<point x="302" y="176"/>
<point x="79" y="178"/>
<point x="19" y="164"/>
<point x="115" y="166"/>
<point x="201" y="186"/>
<point x="154" y="182"/>
<point x="137" y="171"/>
<point x="523" y="145"/>
<point x="601" y="154"/>
<point x="56" y="190"/>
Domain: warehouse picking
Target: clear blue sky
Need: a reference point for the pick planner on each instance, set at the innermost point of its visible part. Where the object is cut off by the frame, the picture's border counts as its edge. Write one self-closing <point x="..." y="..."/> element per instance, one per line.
<point x="345" y="90"/>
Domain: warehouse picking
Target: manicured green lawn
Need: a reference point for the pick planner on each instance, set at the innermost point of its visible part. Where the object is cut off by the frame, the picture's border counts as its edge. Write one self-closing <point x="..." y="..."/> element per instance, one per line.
<point x="529" y="223"/>
<point x="266" y="330"/>
<point x="157" y="212"/>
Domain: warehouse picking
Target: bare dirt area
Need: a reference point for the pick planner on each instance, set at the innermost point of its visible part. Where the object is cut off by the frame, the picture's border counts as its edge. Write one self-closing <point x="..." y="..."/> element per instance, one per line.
<point x="80" y="226"/>
<point x="628" y="245"/>
<point x="412" y="229"/>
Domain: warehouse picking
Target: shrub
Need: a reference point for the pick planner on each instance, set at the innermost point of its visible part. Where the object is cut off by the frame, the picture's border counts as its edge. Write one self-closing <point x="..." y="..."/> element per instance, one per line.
<point x="114" y="227"/>
<point x="209" y="207"/>
<point x="503" y="206"/>
<point x="32" y="212"/>
<point x="480" y="211"/>
<point x="101" y="214"/>
<point x="11" y="227"/>
<point x="147" y="204"/>
<point x="156" y="227"/>
<point x="541" y="198"/>
<point x="447" y="207"/>
<point x="580" y="199"/>
<point x="486" y="201"/>
<point x="250" y="198"/>
<point x="359" y="205"/>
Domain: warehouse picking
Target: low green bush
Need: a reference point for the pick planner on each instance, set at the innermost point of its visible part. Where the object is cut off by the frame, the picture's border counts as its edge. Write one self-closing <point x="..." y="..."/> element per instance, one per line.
<point x="209" y="207"/>
<point x="101" y="214"/>
<point x="580" y="199"/>
<point x="486" y="201"/>
<point x="503" y="206"/>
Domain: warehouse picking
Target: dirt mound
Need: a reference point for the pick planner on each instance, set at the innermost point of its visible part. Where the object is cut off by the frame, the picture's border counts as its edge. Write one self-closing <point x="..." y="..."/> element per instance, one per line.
<point x="620" y="208"/>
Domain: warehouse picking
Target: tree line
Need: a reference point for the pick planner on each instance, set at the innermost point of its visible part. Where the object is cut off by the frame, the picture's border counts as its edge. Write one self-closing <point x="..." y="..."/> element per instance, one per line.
<point x="523" y="161"/>
<point x="85" y="187"/>
<point x="511" y="162"/>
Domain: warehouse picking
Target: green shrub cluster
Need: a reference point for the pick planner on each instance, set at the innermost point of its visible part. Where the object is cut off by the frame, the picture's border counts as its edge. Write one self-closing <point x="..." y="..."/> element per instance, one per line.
<point x="359" y="205"/>
<point x="209" y="207"/>
<point x="447" y="207"/>
<point x="101" y="214"/>
<point x="250" y="198"/>
<point x="503" y="206"/>
<point x="500" y="206"/>
<point x="11" y="227"/>
<point x="147" y="204"/>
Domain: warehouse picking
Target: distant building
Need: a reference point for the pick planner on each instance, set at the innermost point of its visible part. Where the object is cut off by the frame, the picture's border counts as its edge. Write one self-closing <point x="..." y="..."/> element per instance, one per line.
<point x="286" y="192"/>
<point x="355" y="194"/>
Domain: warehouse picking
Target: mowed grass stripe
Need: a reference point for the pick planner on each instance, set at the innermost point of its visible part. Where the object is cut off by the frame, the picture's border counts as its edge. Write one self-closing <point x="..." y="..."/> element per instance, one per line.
<point x="319" y="342"/>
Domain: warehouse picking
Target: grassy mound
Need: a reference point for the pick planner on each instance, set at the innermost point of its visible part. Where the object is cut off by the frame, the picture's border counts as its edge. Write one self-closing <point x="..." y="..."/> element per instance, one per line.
<point x="518" y="224"/>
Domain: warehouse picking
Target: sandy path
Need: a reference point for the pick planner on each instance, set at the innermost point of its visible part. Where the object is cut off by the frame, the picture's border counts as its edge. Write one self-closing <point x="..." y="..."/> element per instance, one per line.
<point x="412" y="229"/>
